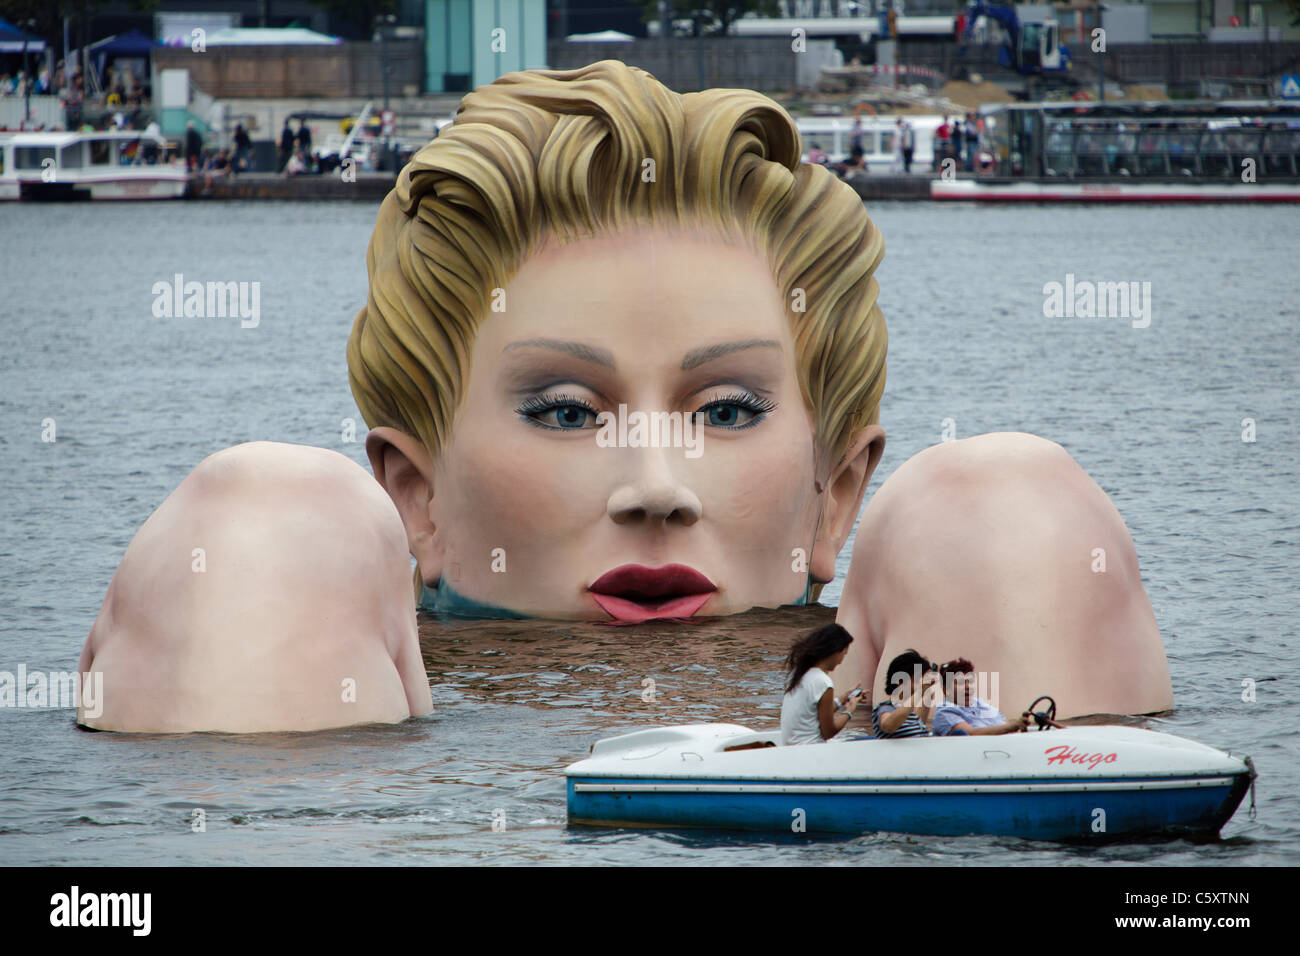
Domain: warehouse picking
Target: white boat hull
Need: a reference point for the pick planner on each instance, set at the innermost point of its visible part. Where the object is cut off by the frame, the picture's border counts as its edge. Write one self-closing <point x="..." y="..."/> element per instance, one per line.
<point x="1089" y="784"/>
<point x="975" y="190"/>
<point x="124" y="187"/>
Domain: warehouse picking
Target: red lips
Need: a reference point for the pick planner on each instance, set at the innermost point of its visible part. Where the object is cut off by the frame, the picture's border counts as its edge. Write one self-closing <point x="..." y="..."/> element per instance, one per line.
<point x="636" y="593"/>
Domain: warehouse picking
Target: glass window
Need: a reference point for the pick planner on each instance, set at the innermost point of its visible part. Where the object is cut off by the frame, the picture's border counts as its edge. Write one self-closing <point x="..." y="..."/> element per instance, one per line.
<point x="1215" y="159"/>
<point x="70" y="156"/>
<point x="31" y="157"/>
<point x="1281" y="152"/>
<point x="101" y="153"/>
<point x="1152" y="149"/>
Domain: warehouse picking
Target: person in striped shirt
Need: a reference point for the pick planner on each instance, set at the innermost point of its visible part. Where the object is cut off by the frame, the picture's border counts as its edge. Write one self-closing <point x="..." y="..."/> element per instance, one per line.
<point x="906" y="712"/>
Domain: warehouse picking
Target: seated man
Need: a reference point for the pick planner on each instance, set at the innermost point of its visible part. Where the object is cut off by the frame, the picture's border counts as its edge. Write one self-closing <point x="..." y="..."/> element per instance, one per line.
<point x="964" y="713"/>
<point x="906" y="712"/>
<point x="270" y="591"/>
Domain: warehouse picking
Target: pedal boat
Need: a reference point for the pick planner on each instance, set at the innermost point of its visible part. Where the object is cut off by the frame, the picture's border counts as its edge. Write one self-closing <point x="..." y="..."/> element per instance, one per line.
<point x="1088" y="784"/>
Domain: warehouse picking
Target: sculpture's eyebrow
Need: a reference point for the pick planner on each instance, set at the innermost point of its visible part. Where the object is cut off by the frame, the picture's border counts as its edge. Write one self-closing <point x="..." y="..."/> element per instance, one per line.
<point x="604" y="358"/>
<point x="697" y="357"/>
<point x="587" y="353"/>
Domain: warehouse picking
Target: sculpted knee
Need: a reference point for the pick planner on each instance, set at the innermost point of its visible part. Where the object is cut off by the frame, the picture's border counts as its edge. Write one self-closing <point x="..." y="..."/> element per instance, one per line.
<point x="271" y="578"/>
<point x="1000" y="548"/>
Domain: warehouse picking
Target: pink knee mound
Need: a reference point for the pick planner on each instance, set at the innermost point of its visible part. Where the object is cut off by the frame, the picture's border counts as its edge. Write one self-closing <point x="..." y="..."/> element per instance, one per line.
<point x="269" y="592"/>
<point x="1000" y="549"/>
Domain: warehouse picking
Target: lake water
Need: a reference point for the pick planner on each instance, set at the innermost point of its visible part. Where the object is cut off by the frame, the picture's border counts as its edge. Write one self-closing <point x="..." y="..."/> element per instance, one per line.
<point x="1154" y="414"/>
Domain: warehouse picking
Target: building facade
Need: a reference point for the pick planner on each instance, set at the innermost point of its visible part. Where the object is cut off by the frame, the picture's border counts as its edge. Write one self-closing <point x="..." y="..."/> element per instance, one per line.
<point x="472" y="42"/>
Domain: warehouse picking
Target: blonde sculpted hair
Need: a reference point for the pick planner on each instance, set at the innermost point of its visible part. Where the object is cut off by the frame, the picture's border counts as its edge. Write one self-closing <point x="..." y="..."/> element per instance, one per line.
<point x="546" y="156"/>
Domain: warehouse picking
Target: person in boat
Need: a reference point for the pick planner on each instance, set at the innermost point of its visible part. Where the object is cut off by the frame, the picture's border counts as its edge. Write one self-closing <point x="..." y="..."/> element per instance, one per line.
<point x="580" y="250"/>
<point x="908" y="685"/>
<point x="964" y="713"/>
<point x="810" y="714"/>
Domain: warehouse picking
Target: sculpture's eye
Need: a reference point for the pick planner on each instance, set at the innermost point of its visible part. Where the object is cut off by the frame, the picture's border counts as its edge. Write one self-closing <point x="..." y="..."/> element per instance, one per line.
<point x="741" y="410"/>
<point x="558" y="412"/>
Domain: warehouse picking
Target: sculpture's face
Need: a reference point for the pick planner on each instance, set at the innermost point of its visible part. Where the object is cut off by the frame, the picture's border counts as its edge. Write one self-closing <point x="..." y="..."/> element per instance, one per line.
<point x="551" y="499"/>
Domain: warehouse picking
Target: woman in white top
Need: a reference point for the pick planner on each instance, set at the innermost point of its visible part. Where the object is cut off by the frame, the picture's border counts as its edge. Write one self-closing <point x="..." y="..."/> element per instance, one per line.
<point x="809" y="712"/>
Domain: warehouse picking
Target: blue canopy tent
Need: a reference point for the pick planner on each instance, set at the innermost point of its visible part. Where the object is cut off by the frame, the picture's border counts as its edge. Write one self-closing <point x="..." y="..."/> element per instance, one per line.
<point x="132" y="44"/>
<point x="11" y="39"/>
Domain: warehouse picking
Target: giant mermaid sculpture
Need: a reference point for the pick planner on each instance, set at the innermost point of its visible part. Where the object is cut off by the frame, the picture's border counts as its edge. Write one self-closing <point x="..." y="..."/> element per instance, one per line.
<point x="580" y="250"/>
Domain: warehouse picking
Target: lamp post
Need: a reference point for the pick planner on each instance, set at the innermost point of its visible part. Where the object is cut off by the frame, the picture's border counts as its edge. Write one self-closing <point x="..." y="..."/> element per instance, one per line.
<point x="699" y="49"/>
<point x="382" y="21"/>
<point x="1101" y="57"/>
<point x="27" y="77"/>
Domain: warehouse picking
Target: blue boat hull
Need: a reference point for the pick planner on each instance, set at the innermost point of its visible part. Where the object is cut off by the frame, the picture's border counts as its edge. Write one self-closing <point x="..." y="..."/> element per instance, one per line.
<point x="1148" y="808"/>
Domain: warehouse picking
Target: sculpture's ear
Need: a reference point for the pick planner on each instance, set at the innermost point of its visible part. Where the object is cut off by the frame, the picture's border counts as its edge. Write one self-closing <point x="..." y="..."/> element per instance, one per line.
<point x="403" y="466"/>
<point x="842" y="499"/>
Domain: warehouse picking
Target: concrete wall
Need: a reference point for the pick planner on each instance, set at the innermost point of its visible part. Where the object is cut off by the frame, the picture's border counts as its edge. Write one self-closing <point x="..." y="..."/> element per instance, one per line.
<point x="687" y="65"/>
<point x="345" y="69"/>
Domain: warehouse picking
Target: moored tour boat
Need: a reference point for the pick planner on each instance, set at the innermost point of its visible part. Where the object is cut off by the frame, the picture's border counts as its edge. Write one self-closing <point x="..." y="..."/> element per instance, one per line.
<point x="105" y="164"/>
<point x="1080" y="783"/>
<point x="1169" y="151"/>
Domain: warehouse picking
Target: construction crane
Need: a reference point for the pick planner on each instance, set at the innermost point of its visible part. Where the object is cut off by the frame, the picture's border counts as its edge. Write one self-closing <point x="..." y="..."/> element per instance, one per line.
<point x="1031" y="36"/>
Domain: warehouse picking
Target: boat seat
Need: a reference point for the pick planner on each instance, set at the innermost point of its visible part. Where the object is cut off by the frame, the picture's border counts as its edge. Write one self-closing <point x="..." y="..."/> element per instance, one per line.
<point x="756" y="740"/>
<point x="752" y="745"/>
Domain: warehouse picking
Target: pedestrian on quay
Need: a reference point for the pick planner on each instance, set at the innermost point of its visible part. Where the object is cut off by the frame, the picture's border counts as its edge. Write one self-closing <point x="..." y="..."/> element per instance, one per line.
<point x="193" y="147"/>
<point x="243" y="148"/>
<point x="972" y="140"/>
<point x="286" y="147"/>
<point x="941" y="136"/>
<point x="304" y="142"/>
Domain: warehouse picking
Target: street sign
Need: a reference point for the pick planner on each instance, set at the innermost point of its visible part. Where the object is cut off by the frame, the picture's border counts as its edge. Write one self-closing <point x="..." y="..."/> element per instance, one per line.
<point x="1291" y="86"/>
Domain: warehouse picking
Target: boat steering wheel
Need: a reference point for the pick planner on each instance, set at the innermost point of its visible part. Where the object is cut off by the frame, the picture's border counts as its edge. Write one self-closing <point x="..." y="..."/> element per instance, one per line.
<point x="1045" y="719"/>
